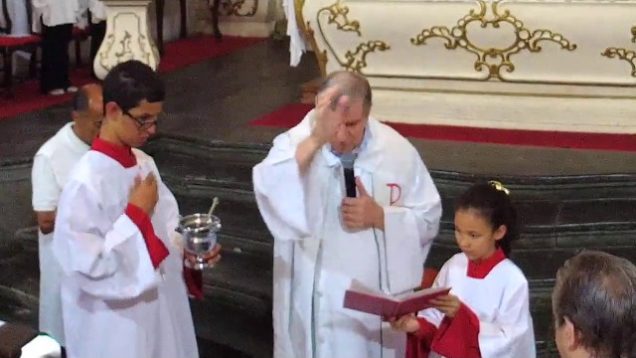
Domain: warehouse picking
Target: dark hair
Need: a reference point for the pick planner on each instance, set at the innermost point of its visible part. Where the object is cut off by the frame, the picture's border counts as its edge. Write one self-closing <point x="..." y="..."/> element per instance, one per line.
<point x="494" y="205"/>
<point x="131" y="82"/>
<point x="81" y="100"/>
<point x="596" y="291"/>
<point x="352" y="84"/>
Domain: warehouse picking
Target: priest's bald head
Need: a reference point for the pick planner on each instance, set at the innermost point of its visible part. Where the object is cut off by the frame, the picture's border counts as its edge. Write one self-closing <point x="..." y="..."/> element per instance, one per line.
<point x="88" y="112"/>
<point x="594" y="306"/>
<point x="353" y="92"/>
<point x="133" y="99"/>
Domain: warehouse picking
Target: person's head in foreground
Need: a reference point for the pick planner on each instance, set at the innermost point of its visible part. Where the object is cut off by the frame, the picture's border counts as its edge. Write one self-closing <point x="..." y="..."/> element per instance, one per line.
<point x="357" y="91"/>
<point x="133" y="99"/>
<point x="485" y="220"/>
<point x="594" y="307"/>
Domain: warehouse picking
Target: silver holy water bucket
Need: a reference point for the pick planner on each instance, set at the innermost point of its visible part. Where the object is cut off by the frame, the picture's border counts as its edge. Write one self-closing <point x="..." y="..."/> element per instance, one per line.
<point x="200" y="236"/>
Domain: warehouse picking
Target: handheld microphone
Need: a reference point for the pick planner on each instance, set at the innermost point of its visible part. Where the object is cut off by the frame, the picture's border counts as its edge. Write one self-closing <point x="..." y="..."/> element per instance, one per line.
<point x="347" y="161"/>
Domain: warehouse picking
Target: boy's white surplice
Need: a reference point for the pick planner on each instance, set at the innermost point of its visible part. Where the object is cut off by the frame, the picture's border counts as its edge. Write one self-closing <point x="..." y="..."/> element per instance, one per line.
<point x="500" y="301"/>
<point x="316" y="259"/>
<point x="52" y="165"/>
<point x="115" y="304"/>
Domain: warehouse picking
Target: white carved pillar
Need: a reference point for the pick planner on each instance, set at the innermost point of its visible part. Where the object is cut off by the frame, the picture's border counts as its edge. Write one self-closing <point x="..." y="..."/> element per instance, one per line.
<point x="127" y="36"/>
<point x="254" y="18"/>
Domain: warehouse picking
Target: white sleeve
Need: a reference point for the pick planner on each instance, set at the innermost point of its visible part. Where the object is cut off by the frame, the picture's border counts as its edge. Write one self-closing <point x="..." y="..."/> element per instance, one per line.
<point x="46" y="192"/>
<point x="111" y="264"/>
<point x="169" y="212"/>
<point x="98" y="10"/>
<point x="409" y="229"/>
<point x="280" y="192"/>
<point x="511" y="334"/>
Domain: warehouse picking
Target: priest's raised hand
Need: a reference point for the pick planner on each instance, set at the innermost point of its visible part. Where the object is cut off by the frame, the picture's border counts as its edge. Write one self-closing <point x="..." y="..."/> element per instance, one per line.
<point x="332" y="108"/>
<point x="362" y="212"/>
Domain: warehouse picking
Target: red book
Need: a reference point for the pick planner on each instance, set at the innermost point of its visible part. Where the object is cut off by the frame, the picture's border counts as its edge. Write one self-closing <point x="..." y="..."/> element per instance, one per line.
<point x="363" y="299"/>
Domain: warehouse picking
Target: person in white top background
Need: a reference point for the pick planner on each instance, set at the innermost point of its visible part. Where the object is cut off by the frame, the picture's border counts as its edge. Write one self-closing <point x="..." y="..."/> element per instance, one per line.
<point x="56" y="19"/>
<point x="486" y="314"/>
<point x="594" y="307"/>
<point x="52" y="166"/>
<point x="324" y="239"/>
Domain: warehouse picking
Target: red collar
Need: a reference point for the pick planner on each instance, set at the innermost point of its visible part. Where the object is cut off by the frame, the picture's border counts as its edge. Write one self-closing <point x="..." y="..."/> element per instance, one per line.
<point x="122" y="154"/>
<point x="481" y="269"/>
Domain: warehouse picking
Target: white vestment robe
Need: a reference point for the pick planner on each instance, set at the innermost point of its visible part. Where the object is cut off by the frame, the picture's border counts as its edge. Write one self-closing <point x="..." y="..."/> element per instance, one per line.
<point x="115" y="303"/>
<point x="500" y="301"/>
<point x="55" y="12"/>
<point x="52" y="166"/>
<point x="316" y="259"/>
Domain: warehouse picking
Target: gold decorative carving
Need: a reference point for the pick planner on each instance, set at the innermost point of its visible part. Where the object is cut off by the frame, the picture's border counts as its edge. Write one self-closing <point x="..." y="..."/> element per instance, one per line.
<point x="125" y="52"/>
<point x="355" y="60"/>
<point x="235" y="8"/>
<point x="624" y="54"/>
<point x="103" y="57"/>
<point x="493" y="59"/>
<point x="338" y="15"/>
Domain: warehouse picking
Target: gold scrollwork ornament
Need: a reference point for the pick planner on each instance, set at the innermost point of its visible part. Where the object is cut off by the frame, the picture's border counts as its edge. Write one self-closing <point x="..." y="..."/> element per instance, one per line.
<point x="624" y="54"/>
<point x="355" y="60"/>
<point x="525" y="39"/>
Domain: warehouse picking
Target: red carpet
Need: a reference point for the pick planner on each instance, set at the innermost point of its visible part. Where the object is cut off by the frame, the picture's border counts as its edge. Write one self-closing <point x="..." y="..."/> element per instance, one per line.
<point x="289" y="115"/>
<point x="178" y="54"/>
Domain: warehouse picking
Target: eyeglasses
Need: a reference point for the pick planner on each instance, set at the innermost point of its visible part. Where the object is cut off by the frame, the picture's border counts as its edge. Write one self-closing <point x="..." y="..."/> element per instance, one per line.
<point x="143" y="122"/>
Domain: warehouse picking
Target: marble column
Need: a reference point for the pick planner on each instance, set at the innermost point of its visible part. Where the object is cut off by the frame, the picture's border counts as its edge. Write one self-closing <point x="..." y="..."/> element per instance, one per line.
<point x="127" y="36"/>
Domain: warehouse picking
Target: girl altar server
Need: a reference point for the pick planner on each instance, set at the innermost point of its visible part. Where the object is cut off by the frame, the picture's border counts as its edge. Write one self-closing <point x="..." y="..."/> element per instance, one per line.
<point x="486" y="314"/>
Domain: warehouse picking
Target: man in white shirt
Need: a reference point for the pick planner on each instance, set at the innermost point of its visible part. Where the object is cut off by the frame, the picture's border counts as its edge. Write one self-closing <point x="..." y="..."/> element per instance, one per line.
<point x="325" y="239"/>
<point x="123" y="290"/>
<point x="51" y="168"/>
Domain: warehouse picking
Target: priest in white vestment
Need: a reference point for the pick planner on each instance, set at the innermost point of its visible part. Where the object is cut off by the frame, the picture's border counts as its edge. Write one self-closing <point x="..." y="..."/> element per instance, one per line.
<point x="324" y="240"/>
<point x="52" y="165"/>
<point x="123" y="294"/>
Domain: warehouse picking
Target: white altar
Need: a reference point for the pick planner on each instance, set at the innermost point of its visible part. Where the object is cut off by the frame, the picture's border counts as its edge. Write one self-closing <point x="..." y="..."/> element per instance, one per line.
<point x="565" y="65"/>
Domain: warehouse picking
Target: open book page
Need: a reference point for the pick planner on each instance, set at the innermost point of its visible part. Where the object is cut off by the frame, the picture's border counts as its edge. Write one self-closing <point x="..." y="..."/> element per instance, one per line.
<point x="361" y="298"/>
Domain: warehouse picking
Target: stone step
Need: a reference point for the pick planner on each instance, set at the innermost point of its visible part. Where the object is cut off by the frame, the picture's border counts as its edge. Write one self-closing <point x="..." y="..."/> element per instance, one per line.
<point x="232" y="163"/>
<point x="609" y="226"/>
